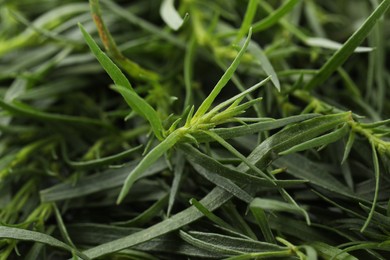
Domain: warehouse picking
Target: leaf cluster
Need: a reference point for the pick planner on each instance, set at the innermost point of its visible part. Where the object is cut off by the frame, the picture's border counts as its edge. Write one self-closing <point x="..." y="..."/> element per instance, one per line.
<point x="194" y="129"/>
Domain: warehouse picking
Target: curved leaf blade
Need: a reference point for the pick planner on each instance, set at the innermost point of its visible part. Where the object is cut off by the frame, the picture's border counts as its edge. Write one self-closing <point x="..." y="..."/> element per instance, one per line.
<point x="27" y="235"/>
<point x="340" y="56"/>
<point x="147" y="161"/>
<point x="109" y="66"/>
<point x="143" y="108"/>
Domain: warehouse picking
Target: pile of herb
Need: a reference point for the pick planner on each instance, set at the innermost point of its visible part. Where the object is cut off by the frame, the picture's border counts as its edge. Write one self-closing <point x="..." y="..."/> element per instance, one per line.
<point x="194" y="129"/>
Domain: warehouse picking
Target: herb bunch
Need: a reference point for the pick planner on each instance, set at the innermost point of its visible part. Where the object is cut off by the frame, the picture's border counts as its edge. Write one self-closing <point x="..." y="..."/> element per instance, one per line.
<point x="194" y="129"/>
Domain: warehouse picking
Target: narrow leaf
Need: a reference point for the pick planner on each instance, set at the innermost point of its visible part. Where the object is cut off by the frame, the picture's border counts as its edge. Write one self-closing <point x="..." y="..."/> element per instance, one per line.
<point x="294" y="135"/>
<point x="376" y="124"/>
<point x="96" y="234"/>
<point x="319" y="141"/>
<point x="237" y="131"/>
<point x="207" y="246"/>
<point x="140" y="106"/>
<point x="103" y="181"/>
<point x="223" y="81"/>
<point x="375" y="161"/>
<point x="265" y="64"/>
<point x="109" y="66"/>
<point x="231" y="149"/>
<point x="222" y="182"/>
<point x="177" y="176"/>
<point x="27" y="235"/>
<point x="214" y="218"/>
<point x="340" y="56"/>
<point x="213" y="200"/>
<point x="348" y="146"/>
<point x="194" y="156"/>
<point x="248" y="18"/>
<point x="101" y="161"/>
<point x="148" y="160"/>
<point x="274" y="205"/>
<point x="303" y="168"/>
<point x="123" y="86"/>
<point x="234" y="243"/>
<point x="327" y="251"/>
<point x="262" y="221"/>
<point x="20" y="109"/>
<point x="239" y="96"/>
<point x="147" y="215"/>
<point x="275" y="16"/>
<point x="63" y="231"/>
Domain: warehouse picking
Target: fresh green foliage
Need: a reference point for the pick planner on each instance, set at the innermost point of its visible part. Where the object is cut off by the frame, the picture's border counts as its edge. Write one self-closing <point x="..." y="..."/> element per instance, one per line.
<point x="27" y="235"/>
<point x="194" y="129"/>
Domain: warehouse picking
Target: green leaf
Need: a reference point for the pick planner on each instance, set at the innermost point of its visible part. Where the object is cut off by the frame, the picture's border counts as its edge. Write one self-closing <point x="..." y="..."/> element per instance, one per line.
<point x="223" y="81"/>
<point x="177" y="177"/>
<point x="124" y="87"/>
<point x="248" y="18"/>
<point x="230" y="114"/>
<point x="294" y="135"/>
<point x="36" y="250"/>
<point x="363" y="245"/>
<point x="63" y="231"/>
<point x="301" y="167"/>
<point x="327" y="251"/>
<point x="148" y="160"/>
<point x="99" y="182"/>
<point x="238" y="97"/>
<point x="101" y="161"/>
<point x="27" y="235"/>
<point x="147" y="215"/>
<point x="275" y="16"/>
<point x="340" y="56"/>
<point x="319" y="141"/>
<point x="348" y="146"/>
<point x="140" y="106"/>
<point x="214" y="218"/>
<point x="20" y="109"/>
<point x="377" y="177"/>
<point x="209" y="164"/>
<point x="237" y="131"/>
<point x="207" y="246"/>
<point x="170" y="16"/>
<point x="274" y="205"/>
<point x="96" y="234"/>
<point x="213" y="200"/>
<point x="292" y="227"/>
<point x="311" y="253"/>
<point x="189" y="70"/>
<point x="223" y="242"/>
<point x="377" y="218"/>
<point x="215" y="176"/>
<point x="109" y="66"/>
<point x="265" y="64"/>
<point x="269" y="254"/>
<point x="231" y="149"/>
<point x="375" y="124"/>
<point x="238" y="221"/>
<point x="262" y="221"/>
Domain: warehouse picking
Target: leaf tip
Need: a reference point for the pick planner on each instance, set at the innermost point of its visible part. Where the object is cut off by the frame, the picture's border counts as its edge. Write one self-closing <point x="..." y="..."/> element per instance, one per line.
<point x="122" y="194"/>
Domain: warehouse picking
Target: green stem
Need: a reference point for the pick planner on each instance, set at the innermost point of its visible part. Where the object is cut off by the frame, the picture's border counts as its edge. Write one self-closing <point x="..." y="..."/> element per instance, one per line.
<point x="132" y="68"/>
